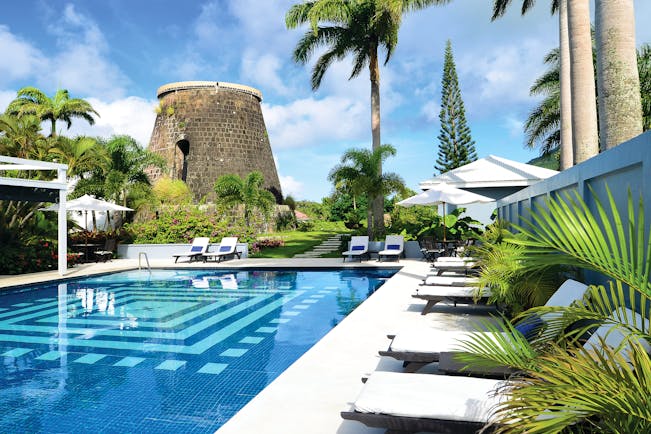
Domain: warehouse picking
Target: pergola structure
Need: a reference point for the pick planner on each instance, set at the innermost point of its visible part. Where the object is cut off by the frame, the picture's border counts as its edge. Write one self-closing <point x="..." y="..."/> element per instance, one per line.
<point x="32" y="190"/>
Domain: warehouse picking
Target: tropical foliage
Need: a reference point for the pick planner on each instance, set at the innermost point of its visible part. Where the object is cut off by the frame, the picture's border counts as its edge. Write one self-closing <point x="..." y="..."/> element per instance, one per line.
<point x="456" y="146"/>
<point x="424" y="221"/>
<point x="233" y="191"/>
<point x="561" y="384"/>
<point x="359" y="171"/>
<point x="60" y="107"/>
<point x="180" y="224"/>
<point x="113" y="169"/>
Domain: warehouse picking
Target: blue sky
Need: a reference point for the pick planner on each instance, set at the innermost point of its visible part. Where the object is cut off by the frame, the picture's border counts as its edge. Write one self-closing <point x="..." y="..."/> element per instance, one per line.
<point x="116" y="53"/>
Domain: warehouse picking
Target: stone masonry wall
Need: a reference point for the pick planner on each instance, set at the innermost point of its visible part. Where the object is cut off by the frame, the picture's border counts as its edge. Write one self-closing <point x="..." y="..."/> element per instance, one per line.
<point x="222" y="127"/>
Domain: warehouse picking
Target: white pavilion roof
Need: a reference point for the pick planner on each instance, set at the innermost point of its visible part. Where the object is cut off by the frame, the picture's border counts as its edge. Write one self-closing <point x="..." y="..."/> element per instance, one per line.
<point x="491" y="171"/>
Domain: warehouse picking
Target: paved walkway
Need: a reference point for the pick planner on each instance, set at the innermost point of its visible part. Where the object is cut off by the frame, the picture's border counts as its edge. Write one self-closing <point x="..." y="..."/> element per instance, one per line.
<point x="309" y="395"/>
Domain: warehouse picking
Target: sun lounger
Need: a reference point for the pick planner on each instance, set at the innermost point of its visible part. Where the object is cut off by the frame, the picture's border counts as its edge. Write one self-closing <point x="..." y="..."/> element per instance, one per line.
<point x="459" y="267"/>
<point x="423" y="346"/>
<point x="611" y="336"/>
<point x="449" y="281"/>
<point x="358" y="247"/>
<point x="227" y="247"/>
<point x="412" y="403"/>
<point x="409" y="402"/>
<point x="393" y="247"/>
<point x="197" y="249"/>
<point x="455" y="294"/>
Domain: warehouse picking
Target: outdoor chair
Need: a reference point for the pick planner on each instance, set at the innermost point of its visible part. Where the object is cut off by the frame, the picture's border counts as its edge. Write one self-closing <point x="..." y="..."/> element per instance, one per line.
<point x="394" y="245"/>
<point x="422" y="346"/>
<point x="358" y="248"/>
<point x="411" y="402"/>
<point x="107" y="253"/>
<point x="430" y="249"/>
<point x="197" y="249"/>
<point x="227" y="247"/>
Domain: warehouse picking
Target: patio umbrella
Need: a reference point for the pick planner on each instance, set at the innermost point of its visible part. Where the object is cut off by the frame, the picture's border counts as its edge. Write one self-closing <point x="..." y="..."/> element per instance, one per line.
<point x="444" y="194"/>
<point x="87" y="203"/>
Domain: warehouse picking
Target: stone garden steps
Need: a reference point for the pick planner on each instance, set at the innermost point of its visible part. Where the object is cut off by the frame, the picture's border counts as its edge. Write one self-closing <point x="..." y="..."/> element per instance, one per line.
<point x="328" y="246"/>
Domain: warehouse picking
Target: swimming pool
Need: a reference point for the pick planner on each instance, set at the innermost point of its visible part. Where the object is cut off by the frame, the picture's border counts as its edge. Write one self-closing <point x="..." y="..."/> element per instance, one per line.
<point x="171" y="351"/>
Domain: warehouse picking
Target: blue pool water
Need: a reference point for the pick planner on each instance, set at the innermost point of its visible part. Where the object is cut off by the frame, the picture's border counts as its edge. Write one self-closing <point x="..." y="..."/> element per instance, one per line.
<point x="172" y="351"/>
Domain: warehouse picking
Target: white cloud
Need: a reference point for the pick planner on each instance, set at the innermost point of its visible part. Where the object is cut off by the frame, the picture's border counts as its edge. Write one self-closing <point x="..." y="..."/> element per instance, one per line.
<point x="82" y="65"/>
<point x="503" y="74"/>
<point x="20" y="59"/>
<point x="514" y="126"/>
<point x="6" y="96"/>
<point x="430" y="111"/>
<point x="263" y="70"/>
<point x="312" y="122"/>
<point x="291" y="186"/>
<point x="132" y="116"/>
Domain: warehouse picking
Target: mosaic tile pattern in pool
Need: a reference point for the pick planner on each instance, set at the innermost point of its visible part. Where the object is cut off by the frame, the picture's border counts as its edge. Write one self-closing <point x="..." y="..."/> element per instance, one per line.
<point x="170" y="351"/>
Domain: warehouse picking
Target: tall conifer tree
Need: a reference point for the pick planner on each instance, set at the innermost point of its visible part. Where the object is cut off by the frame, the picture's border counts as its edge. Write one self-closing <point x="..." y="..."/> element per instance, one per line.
<point x="456" y="146"/>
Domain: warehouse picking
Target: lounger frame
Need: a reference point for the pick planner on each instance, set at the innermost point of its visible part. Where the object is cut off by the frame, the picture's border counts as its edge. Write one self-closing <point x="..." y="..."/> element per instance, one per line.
<point x="410" y="425"/>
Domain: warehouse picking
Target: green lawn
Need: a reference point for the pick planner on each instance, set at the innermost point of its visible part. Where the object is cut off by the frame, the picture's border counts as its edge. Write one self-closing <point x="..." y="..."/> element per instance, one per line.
<point x="300" y="242"/>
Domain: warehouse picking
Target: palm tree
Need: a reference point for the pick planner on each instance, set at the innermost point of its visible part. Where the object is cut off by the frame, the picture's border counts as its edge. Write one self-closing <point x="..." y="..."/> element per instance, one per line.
<point x="234" y="191"/>
<point x="20" y="137"/>
<point x="542" y="127"/>
<point x="542" y="124"/>
<point x="358" y="28"/>
<point x="580" y="75"/>
<point x="358" y="170"/>
<point x="82" y="155"/>
<point x="60" y="107"/>
<point x="644" y="69"/>
<point x="124" y="175"/>
<point x="620" y="107"/>
<point x="565" y="94"/>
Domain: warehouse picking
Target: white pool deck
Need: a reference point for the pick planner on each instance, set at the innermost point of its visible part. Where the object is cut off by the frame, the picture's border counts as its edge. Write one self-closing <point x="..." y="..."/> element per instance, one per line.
<point x="310" y="394"/>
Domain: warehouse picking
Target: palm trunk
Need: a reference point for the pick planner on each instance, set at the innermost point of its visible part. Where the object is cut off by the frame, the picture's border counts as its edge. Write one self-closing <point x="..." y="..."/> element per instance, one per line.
<point x="369" y="219"/>
<point x="620" y="104"/>
<point x="585" y="138"/>
<point x="567" y="154"/>
<point x="377" y="231"/>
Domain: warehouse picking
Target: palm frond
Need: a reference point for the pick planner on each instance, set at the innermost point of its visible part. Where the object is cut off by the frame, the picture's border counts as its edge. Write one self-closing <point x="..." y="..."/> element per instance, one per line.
<point x="568" y="232"/>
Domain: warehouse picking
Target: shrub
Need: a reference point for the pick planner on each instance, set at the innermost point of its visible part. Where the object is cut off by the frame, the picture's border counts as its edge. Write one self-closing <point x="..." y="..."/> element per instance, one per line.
<point x="31" y="258"/>
<point x="305" y="226"/>
<point x="183" y="224"/>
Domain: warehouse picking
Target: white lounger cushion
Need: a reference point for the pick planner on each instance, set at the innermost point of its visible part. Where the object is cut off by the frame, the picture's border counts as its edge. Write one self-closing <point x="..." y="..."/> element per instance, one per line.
<point x="449" y="291"/>
<point x="429" y="396"/>
<point x="428" y="340"/>
<point x="450" y="280"/>
<point x="461" y="259"/>
<point x="453" y="264"/>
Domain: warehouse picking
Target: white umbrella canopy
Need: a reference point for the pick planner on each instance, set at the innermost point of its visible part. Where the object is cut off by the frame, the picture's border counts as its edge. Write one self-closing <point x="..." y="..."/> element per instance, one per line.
<point x="88" y="203"/>
<point x="443" y="194"/>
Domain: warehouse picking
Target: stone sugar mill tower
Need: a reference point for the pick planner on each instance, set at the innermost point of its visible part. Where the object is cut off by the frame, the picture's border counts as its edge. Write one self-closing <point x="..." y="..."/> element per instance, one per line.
<point x="205" y="129"/>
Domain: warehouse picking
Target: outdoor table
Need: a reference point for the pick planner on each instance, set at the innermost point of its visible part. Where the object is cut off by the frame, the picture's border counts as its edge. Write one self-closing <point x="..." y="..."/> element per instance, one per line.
<point x="86" y="249"/>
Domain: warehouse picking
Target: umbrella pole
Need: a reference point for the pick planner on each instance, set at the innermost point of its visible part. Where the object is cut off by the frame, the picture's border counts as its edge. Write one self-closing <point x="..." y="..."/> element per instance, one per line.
<point x="444" y="228"/>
